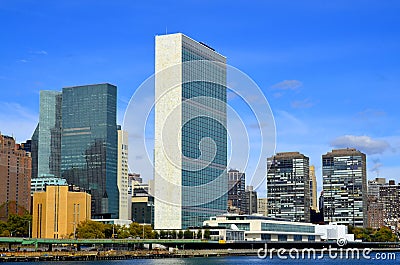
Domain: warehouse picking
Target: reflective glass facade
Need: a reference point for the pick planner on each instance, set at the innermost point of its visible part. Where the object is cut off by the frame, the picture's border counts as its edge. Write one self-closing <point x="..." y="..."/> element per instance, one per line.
<point x="89" y="144"/>
<point x="49" y="134"/>
<point x="203" y="120"/>
<point x="345" y="187"/>
<point x="190" y="150"/>
<point x="287" y="228"/>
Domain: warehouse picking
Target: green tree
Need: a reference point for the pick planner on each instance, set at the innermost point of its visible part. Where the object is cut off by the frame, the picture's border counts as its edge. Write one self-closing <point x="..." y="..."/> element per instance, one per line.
<point x="207" y="234"/>
<point x="180" y="234"/>
<point x="122" y="231"/>
<point x="384" y="234"/>
<point x="199" y="234"/>
<point x="173" y="234"/>
<point x="18" y="225"/>
<point x="90" y="229"/>
<point x="188" y="234"/>
<point x="163" y="234"/>
<point x="135" y="230"/>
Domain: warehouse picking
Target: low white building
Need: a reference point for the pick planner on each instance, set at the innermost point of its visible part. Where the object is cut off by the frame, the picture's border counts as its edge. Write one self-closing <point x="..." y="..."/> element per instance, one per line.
<point x="121" y="222"/>
<point x="262" y="228"/>
<point x="333" y="231"/>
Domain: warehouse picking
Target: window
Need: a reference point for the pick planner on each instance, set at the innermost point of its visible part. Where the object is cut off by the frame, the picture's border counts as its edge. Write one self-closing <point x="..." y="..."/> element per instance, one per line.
<point x="282" y="237"/>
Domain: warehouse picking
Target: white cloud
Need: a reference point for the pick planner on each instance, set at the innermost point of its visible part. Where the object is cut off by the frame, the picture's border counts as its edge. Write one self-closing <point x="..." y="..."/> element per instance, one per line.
<point x="302" y="104"/>
<point x="288" y="85"/>
<point x="41" y="52"/>
<point x="288" y="124"/>
<point x="363" y="143"/>
<point x="17" y="121"/>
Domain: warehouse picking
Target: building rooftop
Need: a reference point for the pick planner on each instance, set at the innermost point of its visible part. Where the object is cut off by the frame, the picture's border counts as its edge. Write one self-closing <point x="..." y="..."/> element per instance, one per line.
<point x="343" y="152"/>
<point x="288" y="155"/>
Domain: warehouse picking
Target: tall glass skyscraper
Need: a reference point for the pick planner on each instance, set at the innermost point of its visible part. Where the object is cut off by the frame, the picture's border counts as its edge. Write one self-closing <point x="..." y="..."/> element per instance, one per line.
<point x="190" y="133"/>
<point x="89" y="144"/>
<point x="344" y="178"/>
<point x="49" y="134"/>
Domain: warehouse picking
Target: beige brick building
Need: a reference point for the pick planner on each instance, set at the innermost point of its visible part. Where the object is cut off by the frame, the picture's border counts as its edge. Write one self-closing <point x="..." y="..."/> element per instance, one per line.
<point x="58" y="210"/>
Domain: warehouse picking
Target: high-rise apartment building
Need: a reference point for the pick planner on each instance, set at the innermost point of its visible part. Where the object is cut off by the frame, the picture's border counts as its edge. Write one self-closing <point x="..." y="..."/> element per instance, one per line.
<point x="313" y="189"/>
<point x="389" y="197"/>
<point x="375" y="212"/>
<point x="190" y="153"/>
<point x="288" y="186"/>
<point x="89" y="144"/>
<point x="373" y="186"/>
<point x="15" y="178"/>
<point x="122" y="173"/>
<point x="345" y="187"/>
<point x="236" y="188"/>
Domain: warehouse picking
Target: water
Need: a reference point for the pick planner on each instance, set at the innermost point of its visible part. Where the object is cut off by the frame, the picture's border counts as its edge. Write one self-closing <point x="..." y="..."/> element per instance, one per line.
<point x="228" y="260"/>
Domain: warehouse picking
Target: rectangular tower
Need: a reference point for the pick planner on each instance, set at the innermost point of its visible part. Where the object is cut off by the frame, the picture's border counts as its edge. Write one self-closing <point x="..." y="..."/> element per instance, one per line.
<point x="344" y="178"/>
<point x="236" y="190"/>
<point x="15" y="178"/>
<point x="124" y="198"/>
<point x="47" y="154"/>
<point x="288" y="186"/>
<point x="89" y="144"/>
<point x="313" y="189"/>
<point x="190" y="133"/>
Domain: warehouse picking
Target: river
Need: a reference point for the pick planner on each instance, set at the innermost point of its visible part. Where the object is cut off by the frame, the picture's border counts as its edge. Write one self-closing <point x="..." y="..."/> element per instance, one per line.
<point x="383" y="258"/>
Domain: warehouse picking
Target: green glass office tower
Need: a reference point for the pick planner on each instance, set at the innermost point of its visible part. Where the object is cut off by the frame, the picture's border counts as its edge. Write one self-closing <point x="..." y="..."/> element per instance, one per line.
<point x="49" y="141"/>
<point x="89" y="144"/>
<point x="190" y="133"/>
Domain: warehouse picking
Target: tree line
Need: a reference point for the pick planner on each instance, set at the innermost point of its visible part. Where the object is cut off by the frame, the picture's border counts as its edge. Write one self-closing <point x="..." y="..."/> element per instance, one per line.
<point x="93" y="229"/>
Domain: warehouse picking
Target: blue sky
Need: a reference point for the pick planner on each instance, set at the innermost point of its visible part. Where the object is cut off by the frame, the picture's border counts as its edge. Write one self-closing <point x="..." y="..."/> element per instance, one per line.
<point x="329" y="69"/>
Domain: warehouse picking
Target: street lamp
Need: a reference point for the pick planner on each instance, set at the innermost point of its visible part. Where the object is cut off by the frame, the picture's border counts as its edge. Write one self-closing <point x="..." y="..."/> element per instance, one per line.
<point x="74" y="223"/>
<point x="29" y="228"/>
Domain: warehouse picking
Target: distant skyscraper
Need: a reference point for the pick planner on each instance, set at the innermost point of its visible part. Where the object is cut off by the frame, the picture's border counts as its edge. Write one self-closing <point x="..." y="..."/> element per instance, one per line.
<point x="313" y="189"/>
<point x="321" y="202"/>
<point x="34" y="152"/>
<point x="15" y="178"/>
<point x="89" y="144"/>
<point x="262" y="206"/>
<point x="250" y="202"/>
<point x="190" y="130"/>
<point x="236" y="187"/>
<point x="373" y="186"/>
<point x="46" y="141"/>
<point x="288" y="186"/>
<point x="375" y="212"/>
<point x="389" y="197"/>
<point x="345" y="187"/>
<point x="124" y="199"/>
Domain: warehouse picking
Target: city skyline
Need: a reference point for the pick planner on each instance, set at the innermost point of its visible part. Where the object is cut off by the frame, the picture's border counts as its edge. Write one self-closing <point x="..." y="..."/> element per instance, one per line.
<point x="329" y="71"/>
